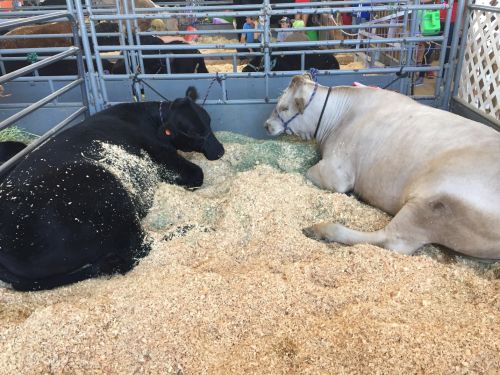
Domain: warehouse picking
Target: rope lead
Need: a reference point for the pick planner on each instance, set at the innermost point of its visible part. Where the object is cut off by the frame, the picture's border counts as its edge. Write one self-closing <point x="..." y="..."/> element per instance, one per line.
<point x="219" y="81"/>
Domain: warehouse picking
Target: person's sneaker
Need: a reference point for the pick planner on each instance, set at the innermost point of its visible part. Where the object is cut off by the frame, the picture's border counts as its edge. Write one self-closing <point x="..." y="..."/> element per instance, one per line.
<point x="419" y="81"/>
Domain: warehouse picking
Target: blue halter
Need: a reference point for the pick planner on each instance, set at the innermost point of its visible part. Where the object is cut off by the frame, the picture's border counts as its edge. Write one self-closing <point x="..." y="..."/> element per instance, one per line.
<point x="287" y="122"/>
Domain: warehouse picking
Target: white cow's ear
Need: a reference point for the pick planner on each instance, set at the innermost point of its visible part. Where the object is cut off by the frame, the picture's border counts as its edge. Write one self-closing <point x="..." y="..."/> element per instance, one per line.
<point x="301" y="104"/>
<point x="297" y="80"/>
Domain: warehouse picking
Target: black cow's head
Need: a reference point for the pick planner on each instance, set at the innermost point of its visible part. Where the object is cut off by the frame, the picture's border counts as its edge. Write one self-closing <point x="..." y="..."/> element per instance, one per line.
<point x="187" y="126"/>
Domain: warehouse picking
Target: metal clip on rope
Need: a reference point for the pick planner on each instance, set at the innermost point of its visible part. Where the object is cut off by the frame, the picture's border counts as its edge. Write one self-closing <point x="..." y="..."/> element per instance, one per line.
<point x="219" y="81"/>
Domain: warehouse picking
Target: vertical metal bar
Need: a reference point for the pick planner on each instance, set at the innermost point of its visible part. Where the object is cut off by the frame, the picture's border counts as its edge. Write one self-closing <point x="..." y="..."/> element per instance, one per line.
<point x="51" y="86"/>
<point x="463" y="46"/>
<point x="98" y="60"/>
<point x="138" y="39"/>
<point x="442" y="56"/>
<point x="235" y="64"/>
<point x="169" y="67"/>
<point x="223" y="88"/>
<point x="123" y="41"/>
<point x="136" y="24"/>
<point x="70" y="7"/>
<point x="96" y="102"/>
<point x="404" y="56"/>
<point x="452" y="56"/>
<point x="411" y="45"/>
<point x="79" y="63"/>
<point x="133" y="55"/>
<point x="2" y="66"/>
<point x="266" y="37"/>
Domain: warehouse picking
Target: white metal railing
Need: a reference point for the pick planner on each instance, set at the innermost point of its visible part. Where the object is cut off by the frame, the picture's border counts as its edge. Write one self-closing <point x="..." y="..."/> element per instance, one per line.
<point x="477" y="76"/>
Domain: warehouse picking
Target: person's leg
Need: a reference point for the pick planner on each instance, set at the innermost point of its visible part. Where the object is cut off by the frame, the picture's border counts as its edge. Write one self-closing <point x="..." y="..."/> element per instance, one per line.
<point x="419" y="60"/>
<point x="447" y="46"/>
<point x="427" y="59"/>
<point x="305" y="18"/>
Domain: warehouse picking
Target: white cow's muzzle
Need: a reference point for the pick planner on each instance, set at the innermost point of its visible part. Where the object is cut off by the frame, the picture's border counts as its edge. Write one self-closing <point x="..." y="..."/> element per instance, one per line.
<point x="273" y="127"/>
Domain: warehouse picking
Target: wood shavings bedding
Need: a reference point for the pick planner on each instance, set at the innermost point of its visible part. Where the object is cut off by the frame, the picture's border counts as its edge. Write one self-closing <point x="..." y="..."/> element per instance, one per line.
<point x="232" y="286"/>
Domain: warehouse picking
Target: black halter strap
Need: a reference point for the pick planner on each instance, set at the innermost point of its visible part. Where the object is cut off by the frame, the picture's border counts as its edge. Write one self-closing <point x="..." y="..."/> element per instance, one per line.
<point x="322" y="111"/>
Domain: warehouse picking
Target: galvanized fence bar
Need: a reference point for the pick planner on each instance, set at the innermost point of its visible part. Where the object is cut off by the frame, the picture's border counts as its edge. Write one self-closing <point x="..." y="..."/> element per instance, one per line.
<point x="46" y="61"/>
<point x="13" y="161"/>
<point x="461" y="54"/>
<point x="445" y="104"/>
<point x="37" y="65"/>
<point x="93" y="35"/>
<point x="183" y="76"/>
<point x="268" y="48"/>
<point x="26" y="111"/>
<point x="34" y="19"/>
<point x="35" y="36"/>
<point x="95" y="99"/>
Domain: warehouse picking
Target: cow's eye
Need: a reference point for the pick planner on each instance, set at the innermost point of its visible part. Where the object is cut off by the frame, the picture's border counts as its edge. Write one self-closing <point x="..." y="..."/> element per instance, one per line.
<point x="283" y="108"/>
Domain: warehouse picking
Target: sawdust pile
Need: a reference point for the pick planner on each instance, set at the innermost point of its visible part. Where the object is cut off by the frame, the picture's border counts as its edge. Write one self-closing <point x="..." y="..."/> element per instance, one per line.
<point x="218" y="40"/>
<point x="232" y="286"/>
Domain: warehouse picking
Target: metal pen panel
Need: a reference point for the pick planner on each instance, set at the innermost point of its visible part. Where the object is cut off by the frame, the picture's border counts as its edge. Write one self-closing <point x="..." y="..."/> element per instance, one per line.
<point x="26" y="111"/>
<point x="14" y="160"/>
<point x="39" y="64"/>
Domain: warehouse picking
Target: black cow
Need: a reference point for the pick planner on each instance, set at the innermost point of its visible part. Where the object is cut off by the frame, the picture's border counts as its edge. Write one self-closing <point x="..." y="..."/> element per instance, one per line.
<point x="53" y="3"/>
<point x="154" y="65"/>
<point x="151" y="65"/>
<point x="58" y="68"/>
<point x="159" y="66"/>
<point x="8" y="149"/>
<point x="61" y="67"/>
<point x="66" y="216"/>
<point x="320" y="61"/>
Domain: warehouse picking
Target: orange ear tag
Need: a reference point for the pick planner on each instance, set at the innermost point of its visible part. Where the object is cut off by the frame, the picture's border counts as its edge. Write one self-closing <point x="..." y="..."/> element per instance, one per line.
<point x="168" y="132"/>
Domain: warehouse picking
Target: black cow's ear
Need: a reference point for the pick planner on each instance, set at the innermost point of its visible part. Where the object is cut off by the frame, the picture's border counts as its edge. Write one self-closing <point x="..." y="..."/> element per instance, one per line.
<point x="192" y="93"/>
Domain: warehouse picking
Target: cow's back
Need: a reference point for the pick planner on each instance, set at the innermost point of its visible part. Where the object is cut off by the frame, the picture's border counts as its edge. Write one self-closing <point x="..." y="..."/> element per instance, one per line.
<point x="398" y="145"/>
<point x="49" y="28"/>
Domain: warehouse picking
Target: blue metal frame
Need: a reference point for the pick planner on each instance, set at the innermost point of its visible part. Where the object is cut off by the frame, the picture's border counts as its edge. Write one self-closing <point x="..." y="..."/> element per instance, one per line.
<point x="104" y="89"/>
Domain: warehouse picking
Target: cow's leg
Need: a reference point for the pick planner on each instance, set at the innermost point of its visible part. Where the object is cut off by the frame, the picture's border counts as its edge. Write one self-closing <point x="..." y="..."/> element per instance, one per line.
<point x="182" y="172"/>
<point x="332" y="174"/>
<point x="403" y="234"/>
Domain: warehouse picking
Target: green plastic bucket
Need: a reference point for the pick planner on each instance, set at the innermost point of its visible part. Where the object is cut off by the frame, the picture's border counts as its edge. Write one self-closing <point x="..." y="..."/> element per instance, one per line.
<point x="312" y="35"/>
<point x="430" y="24"/>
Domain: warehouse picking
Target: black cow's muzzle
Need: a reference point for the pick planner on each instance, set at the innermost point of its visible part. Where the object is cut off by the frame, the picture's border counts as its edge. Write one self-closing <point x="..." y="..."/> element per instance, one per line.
<point x="213" y="149"/>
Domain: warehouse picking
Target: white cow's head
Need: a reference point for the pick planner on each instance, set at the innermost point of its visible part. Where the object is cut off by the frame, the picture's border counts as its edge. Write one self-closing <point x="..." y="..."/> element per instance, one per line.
<point x="288" y="115"/>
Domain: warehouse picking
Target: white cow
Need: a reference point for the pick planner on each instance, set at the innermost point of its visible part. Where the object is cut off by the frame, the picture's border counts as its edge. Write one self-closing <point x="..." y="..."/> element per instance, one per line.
<point x="436" y="172"/>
